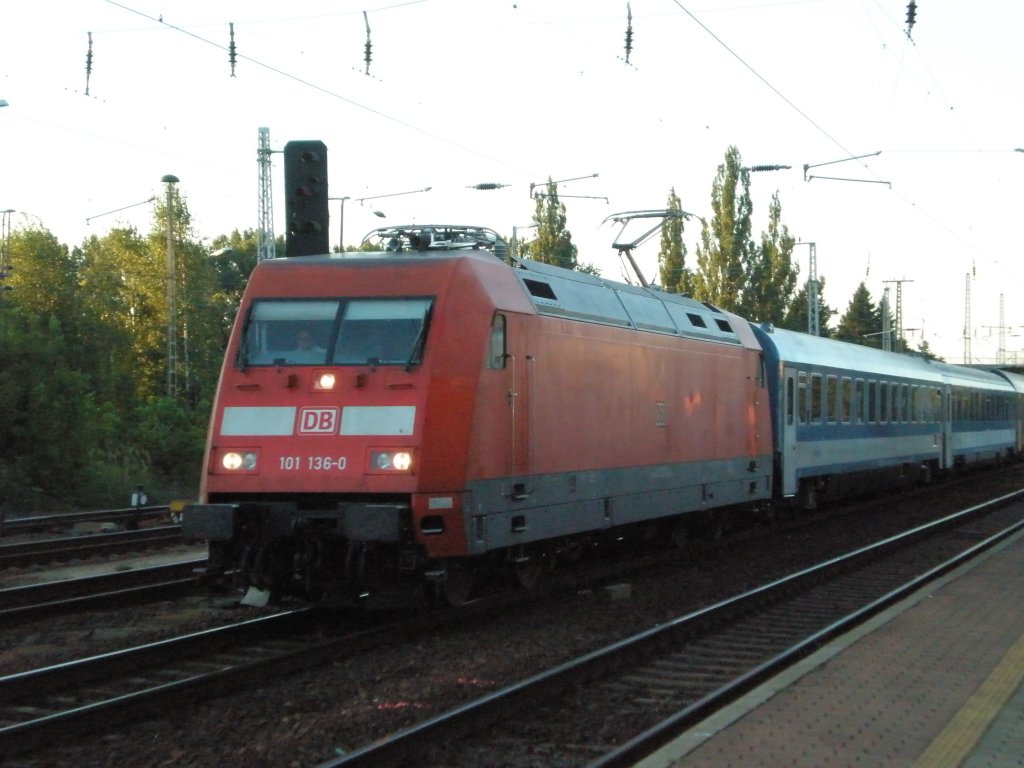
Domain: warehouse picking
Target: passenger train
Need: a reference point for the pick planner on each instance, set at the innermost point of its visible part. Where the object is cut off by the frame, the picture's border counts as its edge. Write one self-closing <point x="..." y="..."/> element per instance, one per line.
<point x="437" y="408"/>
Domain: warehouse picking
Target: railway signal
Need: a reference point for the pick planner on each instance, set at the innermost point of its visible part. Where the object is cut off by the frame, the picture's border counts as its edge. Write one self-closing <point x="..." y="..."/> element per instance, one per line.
<point x="305" y="178"/>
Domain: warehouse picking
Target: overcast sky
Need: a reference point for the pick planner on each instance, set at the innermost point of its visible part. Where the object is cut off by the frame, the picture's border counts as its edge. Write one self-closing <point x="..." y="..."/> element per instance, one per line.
<point x="460" y="92"/>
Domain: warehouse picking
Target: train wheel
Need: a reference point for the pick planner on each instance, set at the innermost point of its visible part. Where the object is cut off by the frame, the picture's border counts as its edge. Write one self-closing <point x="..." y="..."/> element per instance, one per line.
<point x="528" y="568"/>
<point x="457" y="584"/>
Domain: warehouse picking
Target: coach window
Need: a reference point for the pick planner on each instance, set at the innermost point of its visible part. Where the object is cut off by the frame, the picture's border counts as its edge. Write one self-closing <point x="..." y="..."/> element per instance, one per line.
<point x="883" y="401"/>
<point x="872" y="401"/>
<point x="803" y="397"/>
<point x="857" y="404"/>
<point x="847" y="398"/>
<point x="815" y="398"/>
<point x="496" y="356"/>
<point x="832" y="398"/>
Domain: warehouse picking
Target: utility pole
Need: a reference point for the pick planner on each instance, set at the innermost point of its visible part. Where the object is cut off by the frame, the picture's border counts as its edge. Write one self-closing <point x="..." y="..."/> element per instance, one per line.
<point x="813" y="305"/>
<point x="899" y="312"/>
<point x="172" y="324"/>
<point x="265" y="247"/>
<point x="1001" y="330"/>
<point x="1001" y="355"/>
<point x="886" y="322"/>
<point x="967" y="322"/>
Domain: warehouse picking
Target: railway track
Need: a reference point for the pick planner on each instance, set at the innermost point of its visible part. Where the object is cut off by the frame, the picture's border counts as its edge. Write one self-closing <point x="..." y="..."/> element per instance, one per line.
<point x="611" y="707"/>
<point x="129" y="516"/>
<point x="66" y="548"/>
<point x="156" y="678"/>
<point x="34" y="601"/>
<point x="62" y="700"/>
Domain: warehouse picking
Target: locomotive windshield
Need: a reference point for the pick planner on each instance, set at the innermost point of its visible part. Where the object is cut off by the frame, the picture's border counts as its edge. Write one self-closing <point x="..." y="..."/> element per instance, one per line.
<point x="336" y="332"/>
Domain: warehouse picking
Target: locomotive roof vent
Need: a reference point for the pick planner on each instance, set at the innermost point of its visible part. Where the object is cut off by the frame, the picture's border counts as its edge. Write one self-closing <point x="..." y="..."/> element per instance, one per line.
<point x="423" y="238"/>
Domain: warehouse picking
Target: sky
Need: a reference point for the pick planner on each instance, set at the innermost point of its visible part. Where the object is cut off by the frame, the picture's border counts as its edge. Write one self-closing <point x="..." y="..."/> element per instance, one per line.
<point x="918" y="132"/>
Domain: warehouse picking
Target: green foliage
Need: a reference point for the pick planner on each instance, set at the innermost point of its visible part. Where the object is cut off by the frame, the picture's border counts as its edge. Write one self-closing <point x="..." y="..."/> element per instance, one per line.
<point x="796" y="318"/>
<point x="553" y="243"/>
<point x="862" y="321"/>
<point x="925" y="351"/>
<point x="54" y="436"/>
<point x="83" y="339"/>
<point x="726" y="250"/>
<point x="772" y="274"/>
<point x="672" y="271"/>
<point x="171" y="436"/>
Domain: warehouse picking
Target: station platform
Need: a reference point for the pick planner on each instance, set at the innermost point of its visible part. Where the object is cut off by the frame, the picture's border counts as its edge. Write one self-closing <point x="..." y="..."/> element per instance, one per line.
<point x="932" y="682"/>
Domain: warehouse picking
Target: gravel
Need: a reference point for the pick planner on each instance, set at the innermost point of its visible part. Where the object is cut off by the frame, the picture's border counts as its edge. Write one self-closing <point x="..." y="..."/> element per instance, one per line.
<point x="305" y="719"/>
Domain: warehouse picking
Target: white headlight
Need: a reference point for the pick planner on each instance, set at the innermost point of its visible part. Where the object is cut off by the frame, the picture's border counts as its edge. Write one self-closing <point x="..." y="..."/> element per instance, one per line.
<point x="233" y="461"/>
<point x="391" y="461"/>
<point x="324" y="381"/>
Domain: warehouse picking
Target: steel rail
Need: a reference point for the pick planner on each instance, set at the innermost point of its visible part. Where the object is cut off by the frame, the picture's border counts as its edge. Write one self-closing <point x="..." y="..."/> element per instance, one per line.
<point x="43" y="522"/>
<point x="62" y="549"/>
<point x="451" y="727"/>
<point x="32" y="601"/>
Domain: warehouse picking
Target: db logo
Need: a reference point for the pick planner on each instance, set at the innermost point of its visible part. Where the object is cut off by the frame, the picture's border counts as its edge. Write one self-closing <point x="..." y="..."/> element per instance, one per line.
<point x="318" y="421"/>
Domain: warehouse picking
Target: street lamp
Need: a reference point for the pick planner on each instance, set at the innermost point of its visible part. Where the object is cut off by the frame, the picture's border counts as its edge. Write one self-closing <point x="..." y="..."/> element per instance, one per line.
<point x="172" y="341"/>
<point x="341" y="225"/>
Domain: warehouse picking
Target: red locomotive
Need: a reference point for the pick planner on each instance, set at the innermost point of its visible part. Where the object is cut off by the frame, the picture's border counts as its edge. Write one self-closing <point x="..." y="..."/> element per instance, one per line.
<point x="436" y="408"/>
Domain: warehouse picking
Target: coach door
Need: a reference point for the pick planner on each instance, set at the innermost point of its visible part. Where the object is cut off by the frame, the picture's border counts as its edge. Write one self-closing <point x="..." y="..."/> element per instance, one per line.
<point x="947" y="427"/>
<point x="1018" y="414"/>
<point x="793" y="394"/>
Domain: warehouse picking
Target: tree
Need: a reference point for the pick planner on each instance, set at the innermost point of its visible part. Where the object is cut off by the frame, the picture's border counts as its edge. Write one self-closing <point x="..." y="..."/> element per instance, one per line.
<point x="726" y="250"/>
<point x="44" y="276"/>
<point x="122" y="281"/>
<point x="674" y="276"/>
<point x="862" y="321"/>
<point x="773" y="274"/>
<point x="56" y="441"/>
<point x="797" y="316"/>
<point x="925" y="350"/>
<point x="553" y="243"/>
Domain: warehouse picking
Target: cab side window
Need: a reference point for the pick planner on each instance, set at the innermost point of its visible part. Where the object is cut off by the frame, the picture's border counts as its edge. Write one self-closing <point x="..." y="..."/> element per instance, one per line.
<point x="496" y="354"/>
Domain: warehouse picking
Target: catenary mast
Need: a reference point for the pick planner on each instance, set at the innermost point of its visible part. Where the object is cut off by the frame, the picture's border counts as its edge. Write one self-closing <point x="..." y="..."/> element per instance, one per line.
<point x="265" y="248"/>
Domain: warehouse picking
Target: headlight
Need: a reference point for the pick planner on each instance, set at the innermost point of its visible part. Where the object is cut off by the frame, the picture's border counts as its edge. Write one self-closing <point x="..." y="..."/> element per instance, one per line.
<point x="390" y="461"/>
<point x="234" y="461"/>
<point x="324" y="381"/>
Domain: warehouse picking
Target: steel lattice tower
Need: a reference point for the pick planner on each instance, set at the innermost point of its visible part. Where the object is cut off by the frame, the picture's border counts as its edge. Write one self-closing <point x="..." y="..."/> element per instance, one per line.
<point x="265" y="247"/>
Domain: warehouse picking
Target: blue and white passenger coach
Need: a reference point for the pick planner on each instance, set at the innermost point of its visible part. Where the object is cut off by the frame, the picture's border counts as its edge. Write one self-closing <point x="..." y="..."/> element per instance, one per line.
<point x="982" y="415"/>
<point x="839" y="409"/>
